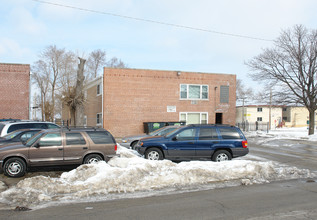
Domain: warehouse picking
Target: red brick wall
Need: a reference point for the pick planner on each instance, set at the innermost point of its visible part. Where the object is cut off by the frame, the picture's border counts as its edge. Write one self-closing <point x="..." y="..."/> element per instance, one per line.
<point x="14" y="90"/>
<point x="134" y="96"/>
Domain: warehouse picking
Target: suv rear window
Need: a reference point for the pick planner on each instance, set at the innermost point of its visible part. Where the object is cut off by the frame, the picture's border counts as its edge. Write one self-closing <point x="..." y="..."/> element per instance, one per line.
<point x="100" y="137"/>
<point x="229" y="133"/>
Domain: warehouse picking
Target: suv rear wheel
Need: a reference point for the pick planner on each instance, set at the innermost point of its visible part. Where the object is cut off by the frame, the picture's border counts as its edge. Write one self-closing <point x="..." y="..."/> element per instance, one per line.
<point x="14" y="167"/>
<point x="92" y="158"/>
<point x="154" y="154"/>
<point x="221" y="155"/>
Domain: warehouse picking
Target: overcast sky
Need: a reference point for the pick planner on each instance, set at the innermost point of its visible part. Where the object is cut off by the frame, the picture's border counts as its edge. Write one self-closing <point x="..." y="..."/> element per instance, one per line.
<point x="28" y="26"/>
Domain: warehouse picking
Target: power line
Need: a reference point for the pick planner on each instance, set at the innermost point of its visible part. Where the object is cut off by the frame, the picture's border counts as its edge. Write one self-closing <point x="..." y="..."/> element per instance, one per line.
<point x="152" y="21"/>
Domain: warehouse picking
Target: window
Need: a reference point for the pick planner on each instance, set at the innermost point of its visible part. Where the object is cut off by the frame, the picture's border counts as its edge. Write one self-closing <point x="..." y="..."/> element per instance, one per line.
<point x="85" y="120"/>
<point x="75" y="139"/>
<point x="100" y="137"/>
<point x="259" y="119"/>
<point x="229" y="133"/>
<point x="188" y="134"/>
<point x="52" y="126"/>
<point x="224" y="94"/>
<point x="51" y="139"/>
<point x="196" y="92"/>
<point x="99" y="89"/>
<point x="208" y="134"/>
<point x="99" y="119"/>
<point x="284" y="118"/>
<point x="259" y="109"/>
<point x="194" y="117"/>
<point x="28" y="135"/>
<point x="284" y="109"/>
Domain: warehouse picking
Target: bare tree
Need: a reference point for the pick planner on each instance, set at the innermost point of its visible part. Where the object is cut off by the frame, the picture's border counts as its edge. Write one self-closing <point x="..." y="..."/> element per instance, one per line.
<point x="73" y="97"/>
<point x="55" y="75"/>
<point x="54" y="58"/>
<point x="96" y="60"/>
<point x="40" y="76"/>
<point x="243" y="92"/>
<point x="116" y="63"/>
<point x="291" y="67"/>
<point x="79" y="93"/>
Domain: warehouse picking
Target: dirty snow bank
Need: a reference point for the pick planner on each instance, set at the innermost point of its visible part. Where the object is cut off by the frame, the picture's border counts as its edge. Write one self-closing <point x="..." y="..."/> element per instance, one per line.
<point x="128" y="175"/>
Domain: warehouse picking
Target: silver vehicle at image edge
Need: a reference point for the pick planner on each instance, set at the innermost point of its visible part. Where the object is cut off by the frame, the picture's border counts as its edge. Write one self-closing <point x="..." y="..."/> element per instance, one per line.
<point x="131" y="141"/>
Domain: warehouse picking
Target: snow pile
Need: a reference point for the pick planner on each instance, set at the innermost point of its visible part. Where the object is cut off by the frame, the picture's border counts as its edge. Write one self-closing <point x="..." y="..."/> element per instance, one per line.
<point x="126" y="176"/>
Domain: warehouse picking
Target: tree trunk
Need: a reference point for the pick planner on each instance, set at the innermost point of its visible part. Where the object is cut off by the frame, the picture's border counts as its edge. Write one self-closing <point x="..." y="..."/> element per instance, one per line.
<point x="311" y="121"/>
<point x="72" y="117"/>
<point x="79" y="115"/>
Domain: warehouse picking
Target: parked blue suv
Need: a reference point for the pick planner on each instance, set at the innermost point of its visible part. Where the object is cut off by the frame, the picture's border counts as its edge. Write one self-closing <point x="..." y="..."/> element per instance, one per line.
<point x="196" y="142"/>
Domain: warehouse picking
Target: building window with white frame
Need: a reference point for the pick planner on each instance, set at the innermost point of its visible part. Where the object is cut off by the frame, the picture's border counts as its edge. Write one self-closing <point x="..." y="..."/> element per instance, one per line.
<point x="193" y="92"/>
<point x="259" y="109"/>
<point x="194" y="117"/>
<point x="99" y="119"/>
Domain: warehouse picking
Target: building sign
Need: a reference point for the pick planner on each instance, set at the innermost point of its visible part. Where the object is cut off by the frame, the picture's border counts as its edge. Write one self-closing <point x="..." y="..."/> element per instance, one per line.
<point x="171" y="108"/>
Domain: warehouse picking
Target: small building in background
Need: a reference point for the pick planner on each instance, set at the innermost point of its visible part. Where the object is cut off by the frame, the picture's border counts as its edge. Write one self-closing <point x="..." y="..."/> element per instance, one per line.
<point x="279" y="116"/>
<point x="15" y="91"/>
<point x="296" y="116"/>
<point x="260" y="115"/>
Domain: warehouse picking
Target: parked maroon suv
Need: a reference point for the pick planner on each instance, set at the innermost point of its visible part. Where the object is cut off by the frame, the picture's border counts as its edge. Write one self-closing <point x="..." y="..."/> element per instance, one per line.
<point x="57" y="147"/>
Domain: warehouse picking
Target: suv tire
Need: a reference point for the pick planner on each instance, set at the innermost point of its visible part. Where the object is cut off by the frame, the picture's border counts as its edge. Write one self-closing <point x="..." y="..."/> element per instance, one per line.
<point x="14" y="167"/>
<point x="92" y="158"/>
<point x="154" y="154"/>
<point x="221" y="155"/>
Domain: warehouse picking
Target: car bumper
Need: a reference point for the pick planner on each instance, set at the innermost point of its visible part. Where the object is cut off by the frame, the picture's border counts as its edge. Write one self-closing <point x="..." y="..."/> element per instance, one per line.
<point x="140" y="150"/>
<point x="239" y="152"/>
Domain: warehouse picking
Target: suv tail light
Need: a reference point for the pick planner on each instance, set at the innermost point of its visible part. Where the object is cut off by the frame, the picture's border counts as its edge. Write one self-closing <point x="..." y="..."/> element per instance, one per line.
<point x="244" y="144"/>
<point x="115" y="147"/>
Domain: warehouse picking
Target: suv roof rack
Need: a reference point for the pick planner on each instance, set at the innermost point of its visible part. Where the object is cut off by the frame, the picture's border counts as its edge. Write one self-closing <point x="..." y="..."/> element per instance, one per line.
<point x="76" y="128"/>
<point x="199" y="125"/>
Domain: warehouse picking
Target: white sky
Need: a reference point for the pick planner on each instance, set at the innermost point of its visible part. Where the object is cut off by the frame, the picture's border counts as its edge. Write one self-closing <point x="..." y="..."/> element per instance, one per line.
<point x="27" y="27"/>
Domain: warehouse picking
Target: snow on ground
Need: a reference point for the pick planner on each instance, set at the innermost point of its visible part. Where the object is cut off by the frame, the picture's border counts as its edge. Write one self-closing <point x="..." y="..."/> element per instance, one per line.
<point x="132" y="176"/>
<point x="282" y="137"/>
<point x="285" y="133"/>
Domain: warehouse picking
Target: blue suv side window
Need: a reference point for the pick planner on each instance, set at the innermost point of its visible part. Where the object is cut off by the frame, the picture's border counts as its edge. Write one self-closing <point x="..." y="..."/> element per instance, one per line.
<point x="229" y="133"/>
<point x="208" y="134"/>
<point x="188" y="134"/>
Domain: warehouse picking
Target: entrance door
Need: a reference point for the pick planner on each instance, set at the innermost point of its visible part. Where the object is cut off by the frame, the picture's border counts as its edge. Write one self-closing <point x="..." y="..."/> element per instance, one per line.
<point x="218" y="118"/>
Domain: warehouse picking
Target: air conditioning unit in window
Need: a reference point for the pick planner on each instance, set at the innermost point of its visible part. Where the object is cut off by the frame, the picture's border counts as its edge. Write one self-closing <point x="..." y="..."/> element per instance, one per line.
<point x="194" y="102"/>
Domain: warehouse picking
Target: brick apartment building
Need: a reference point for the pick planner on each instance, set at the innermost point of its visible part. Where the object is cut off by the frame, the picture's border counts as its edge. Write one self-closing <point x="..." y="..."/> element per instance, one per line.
<point x="15" y="90"/>
<point x="134" y="96"/>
